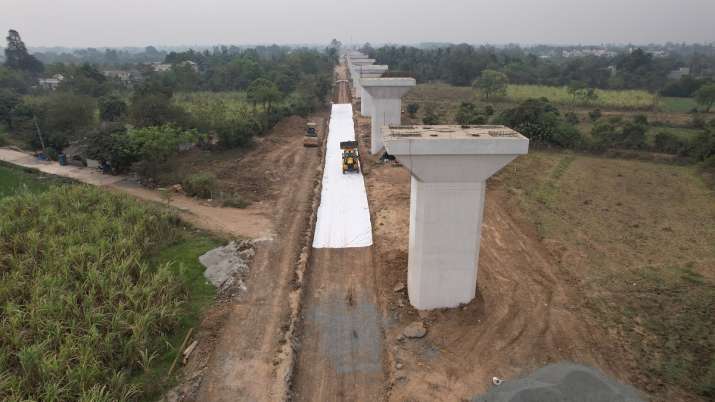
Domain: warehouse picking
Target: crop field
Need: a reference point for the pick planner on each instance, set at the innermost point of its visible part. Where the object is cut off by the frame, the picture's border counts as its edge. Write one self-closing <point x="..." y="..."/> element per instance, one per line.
<point x="638" y="238"/>
<point x="96" y="292"/>
<point x="14" y="180"/>
<point x="207" y="103"/>
<point x="611" y="99"/>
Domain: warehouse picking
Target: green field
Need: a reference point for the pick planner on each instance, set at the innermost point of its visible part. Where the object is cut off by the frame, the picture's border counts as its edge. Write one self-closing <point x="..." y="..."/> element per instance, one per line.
<point x="609" y="99"/>
<point x="97" y="291"/>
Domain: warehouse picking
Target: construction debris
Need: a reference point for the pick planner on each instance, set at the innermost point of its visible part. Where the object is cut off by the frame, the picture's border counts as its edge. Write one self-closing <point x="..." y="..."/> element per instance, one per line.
<point x="415" y="330"/>
<point x="223" y="264"/>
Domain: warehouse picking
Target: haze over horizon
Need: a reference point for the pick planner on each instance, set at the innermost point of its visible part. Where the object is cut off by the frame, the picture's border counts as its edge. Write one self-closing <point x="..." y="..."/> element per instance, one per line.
<point x="127" y="23"/>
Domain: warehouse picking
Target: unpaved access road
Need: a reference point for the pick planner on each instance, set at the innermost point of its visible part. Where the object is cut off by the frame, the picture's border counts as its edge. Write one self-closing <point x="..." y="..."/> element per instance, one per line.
<point x="251" y="222"/>
<point x="340" y="355"/>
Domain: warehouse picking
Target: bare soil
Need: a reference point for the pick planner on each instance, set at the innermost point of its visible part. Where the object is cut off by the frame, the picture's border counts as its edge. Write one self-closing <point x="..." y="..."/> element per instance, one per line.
<point x="245" y="360"/>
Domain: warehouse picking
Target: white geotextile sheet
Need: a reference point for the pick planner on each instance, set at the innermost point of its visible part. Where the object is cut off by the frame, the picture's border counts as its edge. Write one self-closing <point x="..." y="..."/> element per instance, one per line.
<point x="343" y="215"/>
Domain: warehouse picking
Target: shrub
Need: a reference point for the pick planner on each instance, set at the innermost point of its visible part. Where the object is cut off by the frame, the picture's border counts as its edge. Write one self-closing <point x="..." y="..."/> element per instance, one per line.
<point x="235" y="201"/>
<point x="594" y="115"/>
<point x="669" y="143"/>
<point x="468" y="114"/>
<point x="200" y="185"/>
<point x="3" y="139"/>
<point x="489" y="110"/>
<point x="431" y="117"/>
<point x="571" y="118"/>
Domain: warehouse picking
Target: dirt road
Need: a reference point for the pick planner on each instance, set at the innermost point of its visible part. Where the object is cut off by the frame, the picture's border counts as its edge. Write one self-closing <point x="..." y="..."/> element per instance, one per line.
<point x="341" y="348"/>
<point x="244" y="363"/>
<point x="252" y="222"/>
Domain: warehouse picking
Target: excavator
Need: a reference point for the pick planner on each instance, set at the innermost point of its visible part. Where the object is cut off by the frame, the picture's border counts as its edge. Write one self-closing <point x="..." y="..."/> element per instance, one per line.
<point x="351" y="159"/>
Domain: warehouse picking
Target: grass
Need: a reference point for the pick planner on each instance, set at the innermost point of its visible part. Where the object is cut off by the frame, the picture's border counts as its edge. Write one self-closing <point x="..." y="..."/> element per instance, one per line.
<point x="96" y="292"/>
<point x="638" y="237"/>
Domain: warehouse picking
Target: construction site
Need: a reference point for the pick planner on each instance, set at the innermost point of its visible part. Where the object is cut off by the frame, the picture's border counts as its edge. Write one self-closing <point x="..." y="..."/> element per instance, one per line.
<point x="382" y="261"/>
<point x="394" y="273"/>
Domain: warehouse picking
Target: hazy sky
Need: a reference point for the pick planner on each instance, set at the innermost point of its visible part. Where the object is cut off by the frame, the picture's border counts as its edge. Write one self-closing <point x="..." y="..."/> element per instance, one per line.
<point x="98" y="23"/>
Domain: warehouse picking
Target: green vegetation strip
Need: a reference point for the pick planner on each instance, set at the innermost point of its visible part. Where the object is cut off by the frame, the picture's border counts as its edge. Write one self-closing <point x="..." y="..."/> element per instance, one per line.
<point x="92" y="302"/>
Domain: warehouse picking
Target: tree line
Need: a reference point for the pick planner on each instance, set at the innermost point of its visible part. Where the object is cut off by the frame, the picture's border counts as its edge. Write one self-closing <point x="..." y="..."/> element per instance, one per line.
<point x="462" y="64"/>
<point x="117" y="123"/>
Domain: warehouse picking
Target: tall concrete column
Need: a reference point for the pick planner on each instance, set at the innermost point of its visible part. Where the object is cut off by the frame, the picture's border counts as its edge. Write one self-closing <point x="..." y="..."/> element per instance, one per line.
<point x="368" y="71"/>
<point x="386" y="99"/>
<point x="449" y="167"/>
<point x="356" y="65"/>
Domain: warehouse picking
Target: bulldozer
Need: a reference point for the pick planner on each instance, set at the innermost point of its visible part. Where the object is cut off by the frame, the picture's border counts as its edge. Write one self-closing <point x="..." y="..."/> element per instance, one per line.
<point x="311" y="136"/>
<point x="351" y="159"/>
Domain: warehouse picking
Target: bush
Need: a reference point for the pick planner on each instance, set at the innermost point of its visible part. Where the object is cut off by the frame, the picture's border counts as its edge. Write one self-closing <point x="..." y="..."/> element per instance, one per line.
<point x="669" y="143"/>
<point x="430" y="117"/>
<point x="489" y="110"/>
<point x="468" y="114"/>
<point x="595" y="114"/>
<point x="3" y="139"/>
<point x="235" y="201"/>
<point x="200" y="185"/>
<point x="571" y="118"/>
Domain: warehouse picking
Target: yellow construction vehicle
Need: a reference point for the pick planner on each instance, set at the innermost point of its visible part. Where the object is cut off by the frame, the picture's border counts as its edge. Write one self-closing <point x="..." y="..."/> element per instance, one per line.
<point x="351" y="159"/>
<point x="311" y="136"/>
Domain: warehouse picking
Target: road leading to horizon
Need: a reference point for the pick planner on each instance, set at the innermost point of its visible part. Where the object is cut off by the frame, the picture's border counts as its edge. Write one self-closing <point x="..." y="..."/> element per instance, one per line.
<point x="341" y="346"/>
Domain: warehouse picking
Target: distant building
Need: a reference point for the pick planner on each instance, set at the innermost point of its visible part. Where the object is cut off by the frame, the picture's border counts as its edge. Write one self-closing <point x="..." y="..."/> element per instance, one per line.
<point x="126" y="77"/>
<point x="191" y="64"/>
<point x="160" y="67"/>
<point x="597" y="52"/>
<point x="679" y="73"/>
<point x="50" y="83"/>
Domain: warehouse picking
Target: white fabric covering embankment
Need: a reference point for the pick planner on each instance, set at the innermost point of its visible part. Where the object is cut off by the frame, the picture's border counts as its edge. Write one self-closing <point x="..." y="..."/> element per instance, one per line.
<point x="343" y="215"/>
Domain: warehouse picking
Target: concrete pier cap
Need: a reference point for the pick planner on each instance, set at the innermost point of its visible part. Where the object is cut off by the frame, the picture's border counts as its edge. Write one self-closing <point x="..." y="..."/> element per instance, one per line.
<point x="368" y="71"/>
<point x="386" y="104"/>
<point x="449" y="167"/>
<point x="355" y="68"/>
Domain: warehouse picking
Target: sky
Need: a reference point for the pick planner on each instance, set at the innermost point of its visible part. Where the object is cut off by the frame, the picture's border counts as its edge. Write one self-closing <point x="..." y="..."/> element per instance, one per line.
<point x="116" y="23"/>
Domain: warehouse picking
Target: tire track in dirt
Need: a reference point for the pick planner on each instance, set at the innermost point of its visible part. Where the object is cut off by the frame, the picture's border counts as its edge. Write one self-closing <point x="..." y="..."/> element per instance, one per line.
<point x="341" y="352"/>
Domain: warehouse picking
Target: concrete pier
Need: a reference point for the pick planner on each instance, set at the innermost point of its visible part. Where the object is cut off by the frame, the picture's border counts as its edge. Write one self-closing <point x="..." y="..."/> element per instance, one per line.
<point x="386" y="104"/>
<point x="368" y="71"/>
<point x="449" y="167"/>
<point x="355" y="67"/>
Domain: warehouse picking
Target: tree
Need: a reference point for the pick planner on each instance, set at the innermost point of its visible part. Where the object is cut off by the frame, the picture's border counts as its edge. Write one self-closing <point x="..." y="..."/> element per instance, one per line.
<point x="156" y="110"/>
<point x="492" y="82"/>
<point x="61" y="118"/>
<point x="9" y="99"/>
<point x="17" y="57"/>
<point x="263" y="91"/>
<point x="155" y="145"/>
<point x="112" y="108"/>
<point x="705" y="96"/>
